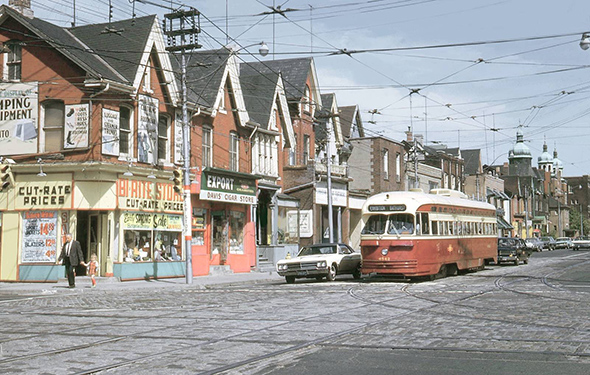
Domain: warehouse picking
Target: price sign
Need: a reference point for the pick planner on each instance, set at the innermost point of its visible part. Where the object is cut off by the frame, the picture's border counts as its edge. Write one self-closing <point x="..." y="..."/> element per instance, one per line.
<point x="39" y="236"/>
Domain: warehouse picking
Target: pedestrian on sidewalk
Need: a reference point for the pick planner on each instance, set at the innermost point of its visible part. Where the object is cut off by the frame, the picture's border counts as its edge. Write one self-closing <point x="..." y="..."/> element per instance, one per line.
<point x="71" y="255"/>
<point x="92" y="268"/>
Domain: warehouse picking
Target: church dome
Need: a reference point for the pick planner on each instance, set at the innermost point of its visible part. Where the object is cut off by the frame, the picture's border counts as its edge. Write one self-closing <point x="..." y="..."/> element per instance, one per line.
<point x="557" y="164"/>
<point x="545" y="157"/>
<point x="520" y="150"/>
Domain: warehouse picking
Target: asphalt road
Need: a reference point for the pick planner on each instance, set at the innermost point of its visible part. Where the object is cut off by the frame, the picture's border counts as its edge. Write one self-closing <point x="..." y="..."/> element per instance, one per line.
<point x="530" y="319"/>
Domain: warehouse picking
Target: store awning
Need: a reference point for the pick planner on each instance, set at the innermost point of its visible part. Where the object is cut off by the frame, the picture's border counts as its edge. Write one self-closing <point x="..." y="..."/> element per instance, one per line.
<point x="503" y="224"/>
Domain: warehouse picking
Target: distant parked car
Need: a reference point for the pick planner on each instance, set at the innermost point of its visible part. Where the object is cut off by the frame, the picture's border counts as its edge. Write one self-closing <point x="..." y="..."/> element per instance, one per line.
<point x="582" y="242"/>
<point x="563" y="243"/>
<point x="512" y="250"/>
<point x="548" y="243"/>
<point x="534" y="243"/>
<point x="321" y="260"/>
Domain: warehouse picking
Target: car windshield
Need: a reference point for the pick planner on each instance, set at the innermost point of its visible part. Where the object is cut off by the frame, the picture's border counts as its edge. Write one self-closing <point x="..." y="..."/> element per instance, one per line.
<point x="375" y="225"/>
<point x="506" y="242"/>
<point x="317" y="250"/>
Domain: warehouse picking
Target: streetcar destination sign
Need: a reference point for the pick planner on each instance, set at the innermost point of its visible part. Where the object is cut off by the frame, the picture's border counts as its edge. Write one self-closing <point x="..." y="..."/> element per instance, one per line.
<point x="387" y="207"/>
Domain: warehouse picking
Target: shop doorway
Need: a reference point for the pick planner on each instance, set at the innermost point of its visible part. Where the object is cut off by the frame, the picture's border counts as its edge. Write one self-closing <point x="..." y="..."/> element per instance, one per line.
<point x="220" y="235"/>
<point x="97" y="241"/>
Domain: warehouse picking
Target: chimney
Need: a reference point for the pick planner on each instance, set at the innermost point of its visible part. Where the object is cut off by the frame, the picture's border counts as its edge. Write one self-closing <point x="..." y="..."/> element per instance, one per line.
<point x="409" y="135"/>
<point x="22" y="6"/>
<point x="419" y="139"/>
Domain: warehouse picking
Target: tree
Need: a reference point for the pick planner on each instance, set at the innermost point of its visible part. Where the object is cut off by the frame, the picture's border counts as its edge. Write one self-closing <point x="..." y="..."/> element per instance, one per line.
<point x="575" y="221"/>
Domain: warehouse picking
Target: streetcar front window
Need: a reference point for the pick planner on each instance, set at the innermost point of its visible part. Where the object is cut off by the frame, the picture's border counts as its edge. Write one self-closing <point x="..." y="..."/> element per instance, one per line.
<point x="375" y="225"/>
<point x="401" y="224"/>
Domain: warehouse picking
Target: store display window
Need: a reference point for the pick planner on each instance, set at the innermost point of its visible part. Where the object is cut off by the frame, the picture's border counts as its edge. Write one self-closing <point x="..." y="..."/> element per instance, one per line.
<point x="236" y="224"/>
<point x="149" y="237"/>
<point x="199" y="226"/>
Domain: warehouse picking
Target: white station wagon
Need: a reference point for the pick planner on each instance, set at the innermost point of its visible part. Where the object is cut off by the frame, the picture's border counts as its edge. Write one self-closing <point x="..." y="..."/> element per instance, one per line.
<point x="321" y="260"/>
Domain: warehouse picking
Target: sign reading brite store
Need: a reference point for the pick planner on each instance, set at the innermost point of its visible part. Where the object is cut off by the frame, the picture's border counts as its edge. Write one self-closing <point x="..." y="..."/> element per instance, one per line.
<point x="148" y="195"/>
<point x="227" y="188"/>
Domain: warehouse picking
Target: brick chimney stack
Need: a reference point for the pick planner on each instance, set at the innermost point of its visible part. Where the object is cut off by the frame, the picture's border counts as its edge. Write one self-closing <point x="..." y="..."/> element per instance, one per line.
<point x="409" y="135"/>
<point x="22" y="6"/>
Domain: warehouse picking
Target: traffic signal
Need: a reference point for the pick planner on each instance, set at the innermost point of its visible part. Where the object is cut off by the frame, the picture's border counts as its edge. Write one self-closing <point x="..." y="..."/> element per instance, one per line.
<point x="5" y="177"/>
<point x="177" y="180"/>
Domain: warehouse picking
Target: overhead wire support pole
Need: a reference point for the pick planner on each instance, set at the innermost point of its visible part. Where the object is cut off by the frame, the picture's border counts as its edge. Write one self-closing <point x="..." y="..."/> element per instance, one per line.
<point x="191" y="30"/>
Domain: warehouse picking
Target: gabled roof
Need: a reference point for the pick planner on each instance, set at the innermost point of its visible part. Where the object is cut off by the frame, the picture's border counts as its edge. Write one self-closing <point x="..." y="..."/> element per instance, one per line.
<point x="350" y="115"/>
<point x="207" y="72"/>
<point x="262" y="92"/>
<point x="123" y="48"/>
<point x="66" y="43"/>
<point x="294" y="72"/>
<point x="259" y="95"/>
<point x="472" y="161"/>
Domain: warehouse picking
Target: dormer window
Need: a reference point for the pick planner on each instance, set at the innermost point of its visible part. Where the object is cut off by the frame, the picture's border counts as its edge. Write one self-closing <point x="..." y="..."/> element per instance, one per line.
<point x="12" y="71"/>
<point x="306" y="106"/>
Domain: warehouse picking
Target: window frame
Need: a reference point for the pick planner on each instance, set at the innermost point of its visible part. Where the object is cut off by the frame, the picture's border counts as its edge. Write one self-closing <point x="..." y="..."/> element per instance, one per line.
<point x="13" y="61"/>
<point x="234" y="152"/>
<point x="207" y="147"/>
<point x="126" y="132"/>
<point x="385" y="164"/>
<point x="52" y="127"/>
<point x="163" y="137"/>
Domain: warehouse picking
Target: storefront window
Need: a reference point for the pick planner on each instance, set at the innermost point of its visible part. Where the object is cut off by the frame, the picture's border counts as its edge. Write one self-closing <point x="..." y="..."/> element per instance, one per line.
<point x="151" y="237"/>
<point x="236" y="241"/>
<point x="287" y="226"/>
<point x="199" y="220"/>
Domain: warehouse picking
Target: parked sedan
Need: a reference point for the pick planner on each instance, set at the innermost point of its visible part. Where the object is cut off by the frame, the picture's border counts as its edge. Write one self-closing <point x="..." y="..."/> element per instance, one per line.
<point x="563" y="243"/>
<point x="548" y="243"/>
<point x="534" y="243"/>
<point x="321" y="260"/>
<point x="581" y="243"/>
<point x="512" y="250"/>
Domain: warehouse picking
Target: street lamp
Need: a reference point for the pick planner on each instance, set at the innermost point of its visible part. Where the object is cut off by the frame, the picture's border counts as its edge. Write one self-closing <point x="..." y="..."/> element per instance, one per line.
<point x="262" y="50"/>
<point x="585" y="42"/>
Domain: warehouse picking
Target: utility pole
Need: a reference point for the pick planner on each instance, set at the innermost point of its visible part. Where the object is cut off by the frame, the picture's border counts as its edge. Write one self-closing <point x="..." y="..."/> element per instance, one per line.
<point x="189" y="26"/>
<point x="329" y="184"/>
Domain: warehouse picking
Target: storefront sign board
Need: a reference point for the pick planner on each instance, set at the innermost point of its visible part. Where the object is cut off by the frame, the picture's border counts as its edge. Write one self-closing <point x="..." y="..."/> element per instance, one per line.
<point x="76" y="125"/>
<point x="339" y="194"/>
<point x="39" y="236"/>
<point x="148" y="221"/>
<point x="18" y="118"/>
<point x="43" y="195"/>
<point x="227" y="188"/>
<point x="148" y="195"/>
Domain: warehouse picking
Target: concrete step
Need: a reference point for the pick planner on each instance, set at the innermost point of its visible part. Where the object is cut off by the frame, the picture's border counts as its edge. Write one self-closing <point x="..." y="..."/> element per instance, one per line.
<point x="220" y="270"/>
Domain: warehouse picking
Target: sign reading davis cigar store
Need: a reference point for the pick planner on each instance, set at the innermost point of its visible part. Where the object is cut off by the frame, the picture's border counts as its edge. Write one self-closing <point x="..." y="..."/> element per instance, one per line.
<point x="228" y="188"/>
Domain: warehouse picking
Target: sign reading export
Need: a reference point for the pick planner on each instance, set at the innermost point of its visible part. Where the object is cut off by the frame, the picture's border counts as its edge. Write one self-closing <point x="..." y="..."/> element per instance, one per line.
<point x="227" y="188"/>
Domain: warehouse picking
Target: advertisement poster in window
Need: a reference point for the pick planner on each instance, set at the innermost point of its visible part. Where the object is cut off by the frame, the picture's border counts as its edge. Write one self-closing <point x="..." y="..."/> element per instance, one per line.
<point x="305" y="223"/>
<point x="39" y="236"/>
<point x="76" y="125"/>
<point x="19" y="104"/>
<point x="110" y="132"/>
<point x="147" y="129"/>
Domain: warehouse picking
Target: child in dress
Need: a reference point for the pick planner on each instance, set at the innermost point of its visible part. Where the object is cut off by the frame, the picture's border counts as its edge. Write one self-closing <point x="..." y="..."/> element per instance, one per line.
<point x="92" y="268"/>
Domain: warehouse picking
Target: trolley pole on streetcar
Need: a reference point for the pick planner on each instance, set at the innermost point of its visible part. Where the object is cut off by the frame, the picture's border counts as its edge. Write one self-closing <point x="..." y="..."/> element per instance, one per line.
<point x="188" y="26"/>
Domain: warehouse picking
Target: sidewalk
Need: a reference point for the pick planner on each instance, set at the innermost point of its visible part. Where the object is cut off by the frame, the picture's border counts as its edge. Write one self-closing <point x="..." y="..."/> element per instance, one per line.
<point x="83" y="283"/>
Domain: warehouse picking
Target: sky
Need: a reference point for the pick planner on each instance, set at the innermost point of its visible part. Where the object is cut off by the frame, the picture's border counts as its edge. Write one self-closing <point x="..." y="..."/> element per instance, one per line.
<point x="462" y="73"/>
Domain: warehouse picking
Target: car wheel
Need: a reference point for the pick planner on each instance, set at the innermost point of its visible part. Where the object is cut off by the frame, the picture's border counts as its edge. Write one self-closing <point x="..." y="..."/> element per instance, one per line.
<point x="290" y="279"/>
<point x="331" y="273"/>
<point x="356" y="274"/>
<point x="526" y="261"/>
<point x="319" y="278"/>
<point x="516" y="261"/>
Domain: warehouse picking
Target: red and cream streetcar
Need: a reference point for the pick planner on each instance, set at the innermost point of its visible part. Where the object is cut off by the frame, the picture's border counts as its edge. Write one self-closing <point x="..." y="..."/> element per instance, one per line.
<point x="414" y="234"/>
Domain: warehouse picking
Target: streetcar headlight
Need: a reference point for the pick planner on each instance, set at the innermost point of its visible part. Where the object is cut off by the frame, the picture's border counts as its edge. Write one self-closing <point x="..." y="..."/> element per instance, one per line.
<point x="384" y="252"/>
<point x="321" y="264"/>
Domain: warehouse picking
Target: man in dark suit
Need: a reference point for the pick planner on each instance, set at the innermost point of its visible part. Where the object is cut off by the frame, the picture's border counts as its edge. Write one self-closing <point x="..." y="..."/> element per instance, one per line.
<point x="71" y="254"/>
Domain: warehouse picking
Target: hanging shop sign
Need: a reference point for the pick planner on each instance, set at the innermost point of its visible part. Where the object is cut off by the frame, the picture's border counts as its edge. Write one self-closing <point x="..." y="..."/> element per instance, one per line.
<point x="148" y="195"/>
<point x="228" y="188"/>
<point x="18" y="118"/>
<point x="339" y="194"/>
<point x="110" y="132"/>
<point x="44" y="195"/>
<point x="147" y="129"/>
<point x="178" y="138"/>
<point x="76" y="125"/>
<point x="148" y="221"/>
<point x="39" y="236"/>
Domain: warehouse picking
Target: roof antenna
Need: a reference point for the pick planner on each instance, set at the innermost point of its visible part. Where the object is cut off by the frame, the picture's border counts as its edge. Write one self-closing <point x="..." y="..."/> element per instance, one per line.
<point x="74" y="20"/>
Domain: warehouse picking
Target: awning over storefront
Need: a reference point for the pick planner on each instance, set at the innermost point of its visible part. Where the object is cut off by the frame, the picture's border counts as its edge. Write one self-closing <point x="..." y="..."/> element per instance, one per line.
<point x="503" y="224"/>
